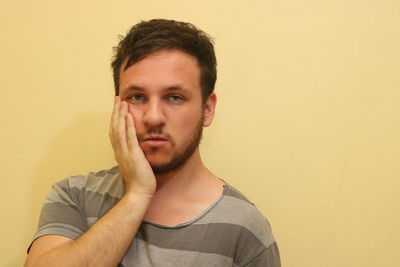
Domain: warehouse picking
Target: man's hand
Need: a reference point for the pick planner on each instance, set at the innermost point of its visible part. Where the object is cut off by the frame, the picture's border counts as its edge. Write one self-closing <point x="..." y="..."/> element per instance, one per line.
<point x="106" y="242"/>
<point x="134" y="167"/>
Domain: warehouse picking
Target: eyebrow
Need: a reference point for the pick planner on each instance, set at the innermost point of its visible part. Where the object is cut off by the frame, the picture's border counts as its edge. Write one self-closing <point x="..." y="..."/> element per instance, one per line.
<point x="175" y="87"/>
<point x="134" y="88"/>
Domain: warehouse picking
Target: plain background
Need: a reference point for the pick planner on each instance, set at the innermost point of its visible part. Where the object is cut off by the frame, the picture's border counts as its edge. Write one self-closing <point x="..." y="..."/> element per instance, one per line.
<point x="307" y="123"/>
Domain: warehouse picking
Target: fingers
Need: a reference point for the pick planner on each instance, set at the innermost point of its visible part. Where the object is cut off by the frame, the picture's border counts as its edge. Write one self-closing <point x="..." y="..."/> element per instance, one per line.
<point x="135" y="170"/>
<point x="118" y="126"/>
<point x="114" y="120"/>
<point x="131" y="137"/>
<point x="121" y="126"/>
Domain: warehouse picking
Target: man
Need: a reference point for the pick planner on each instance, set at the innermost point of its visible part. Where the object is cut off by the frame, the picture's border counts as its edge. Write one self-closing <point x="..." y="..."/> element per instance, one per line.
<point x="161" y="206"/>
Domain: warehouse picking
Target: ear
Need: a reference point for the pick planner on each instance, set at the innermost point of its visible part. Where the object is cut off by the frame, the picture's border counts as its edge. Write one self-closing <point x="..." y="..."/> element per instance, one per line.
<point x="209" y="109"/>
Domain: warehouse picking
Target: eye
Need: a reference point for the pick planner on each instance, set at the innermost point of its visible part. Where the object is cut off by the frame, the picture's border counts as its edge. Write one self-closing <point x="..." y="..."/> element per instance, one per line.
<point x="136" y="98"/>
<point x="175" y="98"/>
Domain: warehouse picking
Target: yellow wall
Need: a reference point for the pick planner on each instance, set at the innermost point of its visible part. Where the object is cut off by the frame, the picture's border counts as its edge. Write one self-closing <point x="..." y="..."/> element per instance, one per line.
<point x="308" y="119"/>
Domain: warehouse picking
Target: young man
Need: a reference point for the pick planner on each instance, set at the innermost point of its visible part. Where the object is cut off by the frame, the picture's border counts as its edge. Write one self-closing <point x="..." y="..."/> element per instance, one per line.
<point x="161" y="206"/>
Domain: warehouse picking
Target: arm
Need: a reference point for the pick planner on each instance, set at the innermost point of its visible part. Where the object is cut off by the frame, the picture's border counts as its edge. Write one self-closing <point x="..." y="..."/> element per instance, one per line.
<point x="105" y="243"/>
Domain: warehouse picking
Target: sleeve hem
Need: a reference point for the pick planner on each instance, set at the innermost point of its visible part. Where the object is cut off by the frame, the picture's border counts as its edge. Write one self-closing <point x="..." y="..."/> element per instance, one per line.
<point x="57" y="229"/>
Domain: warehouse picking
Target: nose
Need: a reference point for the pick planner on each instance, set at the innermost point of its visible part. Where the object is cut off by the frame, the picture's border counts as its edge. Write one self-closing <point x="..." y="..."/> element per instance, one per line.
<point x="154" y="114"/>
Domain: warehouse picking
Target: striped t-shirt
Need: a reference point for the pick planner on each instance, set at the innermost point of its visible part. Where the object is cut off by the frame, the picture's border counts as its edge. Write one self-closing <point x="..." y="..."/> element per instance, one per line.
<point x="231" y="232"/>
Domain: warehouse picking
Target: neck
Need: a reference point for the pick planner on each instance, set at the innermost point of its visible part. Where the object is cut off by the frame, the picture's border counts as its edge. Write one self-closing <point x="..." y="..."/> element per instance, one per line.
<point x="184" y="193"/>
<point x="189" y="175"/>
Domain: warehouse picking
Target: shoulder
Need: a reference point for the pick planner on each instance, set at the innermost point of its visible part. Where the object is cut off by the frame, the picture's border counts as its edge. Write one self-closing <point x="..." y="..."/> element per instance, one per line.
<point x="82" y="198"/>
<point x="245" y="228"/>
<point x="241" y="205"/>
<point x="75" y="203"/>
<point x="237" y="211"/>
<point x="91" y="194"/>
<point x="103" y="182"/>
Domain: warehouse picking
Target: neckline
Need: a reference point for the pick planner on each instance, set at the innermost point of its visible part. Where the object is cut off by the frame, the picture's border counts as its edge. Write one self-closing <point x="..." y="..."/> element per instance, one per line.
<point x="195" y="218"/>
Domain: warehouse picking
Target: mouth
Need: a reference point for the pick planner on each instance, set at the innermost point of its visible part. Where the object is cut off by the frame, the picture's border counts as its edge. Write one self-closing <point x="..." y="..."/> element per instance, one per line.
<point x="154" y="140"/>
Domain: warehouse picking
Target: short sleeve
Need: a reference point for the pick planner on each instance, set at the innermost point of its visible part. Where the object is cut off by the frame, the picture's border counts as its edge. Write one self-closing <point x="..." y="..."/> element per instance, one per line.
<point x="61" y="213"/>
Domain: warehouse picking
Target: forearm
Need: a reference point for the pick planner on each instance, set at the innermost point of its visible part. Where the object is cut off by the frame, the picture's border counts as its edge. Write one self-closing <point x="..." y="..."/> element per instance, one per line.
<point x="106" y="242"/>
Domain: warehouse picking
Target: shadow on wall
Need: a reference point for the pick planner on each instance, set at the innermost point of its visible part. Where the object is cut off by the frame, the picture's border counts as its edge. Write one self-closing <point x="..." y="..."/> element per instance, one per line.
<point x="82" y="147"/>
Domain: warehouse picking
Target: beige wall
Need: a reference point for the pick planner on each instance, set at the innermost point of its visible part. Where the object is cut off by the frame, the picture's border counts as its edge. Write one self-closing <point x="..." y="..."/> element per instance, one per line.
<point x="308" y="119"/>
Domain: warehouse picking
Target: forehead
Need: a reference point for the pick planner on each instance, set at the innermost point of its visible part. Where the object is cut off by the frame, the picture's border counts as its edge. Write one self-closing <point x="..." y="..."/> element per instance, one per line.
<point x="162" y="69"/>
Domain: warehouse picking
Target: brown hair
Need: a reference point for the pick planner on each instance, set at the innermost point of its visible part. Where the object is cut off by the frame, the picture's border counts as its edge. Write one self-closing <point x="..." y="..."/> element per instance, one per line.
<point x="147" y="37"/>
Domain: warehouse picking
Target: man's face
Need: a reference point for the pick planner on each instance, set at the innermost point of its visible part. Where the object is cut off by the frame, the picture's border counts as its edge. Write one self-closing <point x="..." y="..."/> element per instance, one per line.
<point x="164" y="97"/>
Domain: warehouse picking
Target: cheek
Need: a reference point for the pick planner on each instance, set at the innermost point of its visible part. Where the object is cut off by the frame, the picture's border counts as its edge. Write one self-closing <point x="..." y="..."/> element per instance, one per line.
<point x="187" y="121"/>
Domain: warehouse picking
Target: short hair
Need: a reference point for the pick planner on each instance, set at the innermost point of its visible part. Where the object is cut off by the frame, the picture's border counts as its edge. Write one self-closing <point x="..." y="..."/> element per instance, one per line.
<point x="150" y="36"/>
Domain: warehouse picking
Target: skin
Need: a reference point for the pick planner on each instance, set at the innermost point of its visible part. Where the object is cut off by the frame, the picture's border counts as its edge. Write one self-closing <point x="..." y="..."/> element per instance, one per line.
<point x="154" y="119"/>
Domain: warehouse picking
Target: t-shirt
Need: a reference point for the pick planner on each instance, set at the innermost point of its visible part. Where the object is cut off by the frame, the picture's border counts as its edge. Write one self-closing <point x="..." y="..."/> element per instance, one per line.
<point x="230" y="232"/>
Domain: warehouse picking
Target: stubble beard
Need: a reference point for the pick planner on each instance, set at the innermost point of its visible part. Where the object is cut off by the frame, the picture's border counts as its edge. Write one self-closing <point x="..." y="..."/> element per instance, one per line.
<point x="183" y="154"/>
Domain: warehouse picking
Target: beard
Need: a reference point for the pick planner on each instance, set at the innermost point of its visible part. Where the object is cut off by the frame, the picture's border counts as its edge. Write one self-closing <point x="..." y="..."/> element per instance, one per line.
<point x="181" y="155"/>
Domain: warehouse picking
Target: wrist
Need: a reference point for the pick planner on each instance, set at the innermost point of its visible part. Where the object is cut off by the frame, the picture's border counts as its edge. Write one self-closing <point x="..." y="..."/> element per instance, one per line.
<point x="141" y="198"/>
<point x="136" y="191"/>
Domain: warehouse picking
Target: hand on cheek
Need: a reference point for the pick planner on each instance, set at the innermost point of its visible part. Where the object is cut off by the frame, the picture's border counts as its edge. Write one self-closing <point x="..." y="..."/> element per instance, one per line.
<point x="135" y="169"/>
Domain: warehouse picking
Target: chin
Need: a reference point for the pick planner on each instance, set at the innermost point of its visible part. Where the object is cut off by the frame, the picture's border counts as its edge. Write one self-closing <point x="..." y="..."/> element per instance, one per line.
<point x="157" y="161"/>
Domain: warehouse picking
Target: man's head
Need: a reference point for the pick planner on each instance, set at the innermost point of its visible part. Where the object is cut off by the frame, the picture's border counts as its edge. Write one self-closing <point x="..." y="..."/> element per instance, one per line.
<point x="165" y="71"/>
<point x="148" y="37"/>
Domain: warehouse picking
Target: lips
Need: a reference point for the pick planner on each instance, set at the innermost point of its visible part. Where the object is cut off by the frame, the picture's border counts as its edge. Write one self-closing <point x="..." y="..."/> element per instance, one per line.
<point x="154" y="140"/>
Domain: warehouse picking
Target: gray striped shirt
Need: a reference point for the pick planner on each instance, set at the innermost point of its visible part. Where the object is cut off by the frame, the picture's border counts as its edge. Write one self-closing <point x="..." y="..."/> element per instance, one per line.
<point x="231" y="232"/>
